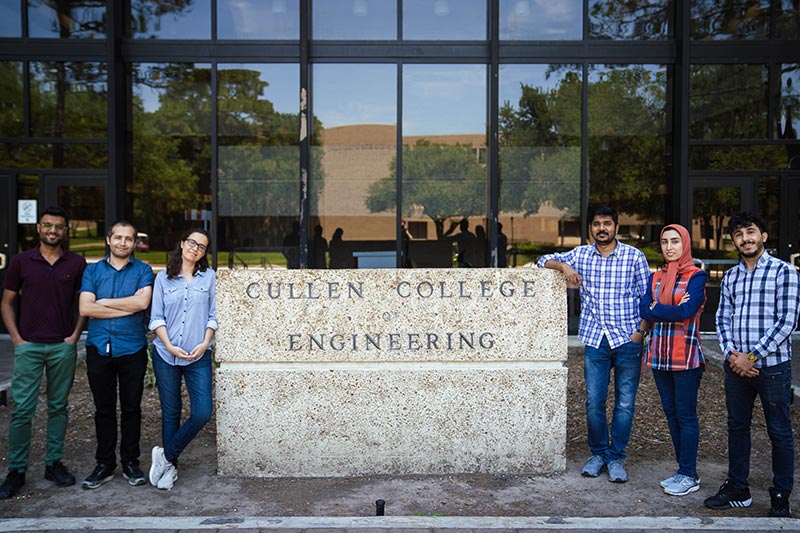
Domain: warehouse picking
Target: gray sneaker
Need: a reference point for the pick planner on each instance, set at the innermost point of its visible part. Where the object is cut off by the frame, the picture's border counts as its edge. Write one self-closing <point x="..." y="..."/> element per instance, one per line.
<point x="616" y="472"/>
<point x="682" y="485"/>
<point x="670" y="479"/>
<point x="593" y="466"/>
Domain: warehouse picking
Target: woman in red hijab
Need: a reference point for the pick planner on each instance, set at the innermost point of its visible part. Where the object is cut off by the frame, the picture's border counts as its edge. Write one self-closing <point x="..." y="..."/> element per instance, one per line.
<point x="673" y="306"/>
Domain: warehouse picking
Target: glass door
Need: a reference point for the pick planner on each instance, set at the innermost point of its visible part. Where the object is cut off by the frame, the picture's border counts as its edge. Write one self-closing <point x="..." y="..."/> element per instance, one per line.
<point x="83" y="198"/>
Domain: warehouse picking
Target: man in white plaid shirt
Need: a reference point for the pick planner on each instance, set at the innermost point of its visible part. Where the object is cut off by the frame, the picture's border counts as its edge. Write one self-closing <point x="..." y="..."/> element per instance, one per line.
<point x="613" y="278"/>
<point x="758" y="306"/>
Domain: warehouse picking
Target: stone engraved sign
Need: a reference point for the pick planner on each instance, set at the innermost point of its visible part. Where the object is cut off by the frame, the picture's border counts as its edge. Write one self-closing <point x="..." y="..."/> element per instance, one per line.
<point x="360" y="372"/>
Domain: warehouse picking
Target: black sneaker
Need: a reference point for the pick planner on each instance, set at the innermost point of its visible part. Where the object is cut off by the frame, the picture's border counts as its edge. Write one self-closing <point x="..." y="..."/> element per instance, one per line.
<point x="729" y="497"/>
<point x="133" y="474"/>
<point x="780" y="504"/>
<point x="13" y="482"/>
<point x="58" y="474"/>
<point x="100" y="475"/>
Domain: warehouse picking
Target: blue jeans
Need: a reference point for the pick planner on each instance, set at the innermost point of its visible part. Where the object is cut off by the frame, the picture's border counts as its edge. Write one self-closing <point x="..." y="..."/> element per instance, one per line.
<point x="678" y="391"/>
<point x="198" y="384"/>
<point x="774" y="385"/>
<point x="627" y="364"/>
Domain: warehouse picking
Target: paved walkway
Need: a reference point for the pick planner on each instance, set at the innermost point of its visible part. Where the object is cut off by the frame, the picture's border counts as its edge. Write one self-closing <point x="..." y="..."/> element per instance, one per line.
<point x="404" y="524"/>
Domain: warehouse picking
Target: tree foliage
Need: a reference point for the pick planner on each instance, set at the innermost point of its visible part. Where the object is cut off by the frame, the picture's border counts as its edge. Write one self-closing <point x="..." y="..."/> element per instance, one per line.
<point x="441" y="180"/>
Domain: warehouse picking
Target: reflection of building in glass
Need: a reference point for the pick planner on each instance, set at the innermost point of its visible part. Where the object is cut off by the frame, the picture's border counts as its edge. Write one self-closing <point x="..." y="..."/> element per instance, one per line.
<point x="388" y="121"/>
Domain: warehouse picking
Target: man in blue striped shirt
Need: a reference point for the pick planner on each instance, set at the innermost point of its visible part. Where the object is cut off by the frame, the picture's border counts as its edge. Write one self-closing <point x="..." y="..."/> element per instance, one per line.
<point x="612" y="277"/>
<point x="758" y="306"/>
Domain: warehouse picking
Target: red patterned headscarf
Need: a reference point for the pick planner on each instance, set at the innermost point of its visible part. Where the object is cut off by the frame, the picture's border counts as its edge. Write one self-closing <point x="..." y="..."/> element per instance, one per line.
<point x="673" y="268"/>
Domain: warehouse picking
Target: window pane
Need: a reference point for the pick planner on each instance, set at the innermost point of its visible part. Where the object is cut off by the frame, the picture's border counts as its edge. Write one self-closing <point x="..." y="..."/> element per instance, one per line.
<point x="259" y="163"/>
<point x="541" y="20"/>
<point x="728" y="102"/>
<point x="789" y="105"/>
<point x="788" y="19"/>
<point x="353" y="192"/>
<point x="54" y="155"/>
<point x="258" y="19"/>
<point x="628" y="145"/>
<point x="444" y="162"/>
<point x="80" y="19"/>
<point x="171" y="149"/>
<point x="86" y="206"/>
<point x="540" y="155"/>
<point x="444" y="19"/>
<point x="168" y="19"/>
<point x="732" y="19"/>
<point x="10" y="19"/>
<point x="69" y="99"/>
<point x="354" y="19"/>
<point x="643" y="19"/>
<point x="711" y="207"/>
<point x="738" y="157"/>
<point x="11" y="104"/>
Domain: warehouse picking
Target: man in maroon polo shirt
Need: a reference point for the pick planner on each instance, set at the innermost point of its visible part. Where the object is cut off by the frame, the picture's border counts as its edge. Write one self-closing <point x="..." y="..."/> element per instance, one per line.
<point x="49" y="278"/>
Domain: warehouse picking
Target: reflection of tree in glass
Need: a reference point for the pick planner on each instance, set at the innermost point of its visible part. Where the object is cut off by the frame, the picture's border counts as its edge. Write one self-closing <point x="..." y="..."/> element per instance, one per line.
<point x="11" y="104"/>
<point x="787" y="19"/>
<point x="627" y="146"/>
<point x="171" y="148"/>
<point x="711" y="206"/>
<point x="259" y="149"/>
<point x="730" y="19"/>
<point x="75" y="18"/>
<point x="146" y="14"/>
<point x="442" y="180"/>
<point x="540" y="148"/>
<point x="728" y="102"/>
<point x="628" y="19"/>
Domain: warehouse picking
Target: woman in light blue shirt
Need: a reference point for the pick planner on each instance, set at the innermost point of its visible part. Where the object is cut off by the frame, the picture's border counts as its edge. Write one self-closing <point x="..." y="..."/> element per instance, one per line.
<point x="184" y="320"/>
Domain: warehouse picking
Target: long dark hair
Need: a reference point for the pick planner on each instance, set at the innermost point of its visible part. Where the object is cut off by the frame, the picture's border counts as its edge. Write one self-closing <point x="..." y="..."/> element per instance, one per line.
<point x="175" y="261"/>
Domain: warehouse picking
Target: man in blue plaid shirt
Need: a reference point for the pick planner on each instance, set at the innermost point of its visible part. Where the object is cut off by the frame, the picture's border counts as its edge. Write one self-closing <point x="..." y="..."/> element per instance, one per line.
<point x="612" y="277"/>
<point x="758" y="306"/>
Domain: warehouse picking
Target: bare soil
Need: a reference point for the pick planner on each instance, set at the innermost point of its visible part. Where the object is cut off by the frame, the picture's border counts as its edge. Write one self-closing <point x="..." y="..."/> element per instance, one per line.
<point x="199" y="491"/>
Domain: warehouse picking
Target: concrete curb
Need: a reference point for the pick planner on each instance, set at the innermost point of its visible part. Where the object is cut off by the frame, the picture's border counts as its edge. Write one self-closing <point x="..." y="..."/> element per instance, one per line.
<point x="533" y="523"/>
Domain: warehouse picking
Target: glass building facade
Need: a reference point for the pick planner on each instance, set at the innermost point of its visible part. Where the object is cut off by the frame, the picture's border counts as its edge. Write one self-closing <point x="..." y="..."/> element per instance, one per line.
<point x="406" y="133"/>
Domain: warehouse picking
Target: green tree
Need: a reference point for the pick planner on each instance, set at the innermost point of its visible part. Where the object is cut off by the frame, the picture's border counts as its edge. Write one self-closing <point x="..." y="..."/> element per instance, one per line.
<point x="441" y="180"/>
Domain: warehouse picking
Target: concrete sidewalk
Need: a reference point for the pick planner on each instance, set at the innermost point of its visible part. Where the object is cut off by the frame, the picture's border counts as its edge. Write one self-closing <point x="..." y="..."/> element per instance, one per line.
<point x="405" y="524"/>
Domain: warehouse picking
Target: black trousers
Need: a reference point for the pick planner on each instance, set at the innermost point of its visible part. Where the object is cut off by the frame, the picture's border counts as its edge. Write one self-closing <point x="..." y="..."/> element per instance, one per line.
<point x="104" y="373"/>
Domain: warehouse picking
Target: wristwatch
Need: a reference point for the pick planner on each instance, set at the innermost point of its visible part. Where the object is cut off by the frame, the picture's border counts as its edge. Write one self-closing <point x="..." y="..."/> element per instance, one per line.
<point x="752" y="357"/>
<point x="642" y="332"/>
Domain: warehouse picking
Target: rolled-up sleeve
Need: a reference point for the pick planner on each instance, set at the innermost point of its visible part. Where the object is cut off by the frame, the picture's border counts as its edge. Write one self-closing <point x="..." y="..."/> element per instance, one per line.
<point x="212" y="302"/>
<point x="157" y="314"/>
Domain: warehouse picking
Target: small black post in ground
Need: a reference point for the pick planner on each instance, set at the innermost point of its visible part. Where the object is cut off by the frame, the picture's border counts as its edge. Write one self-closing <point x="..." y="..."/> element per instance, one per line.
<point x="379" y="507"/>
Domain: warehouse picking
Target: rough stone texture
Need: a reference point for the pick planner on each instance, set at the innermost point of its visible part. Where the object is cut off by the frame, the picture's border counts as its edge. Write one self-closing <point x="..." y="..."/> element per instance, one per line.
<point x="462" y="372"/>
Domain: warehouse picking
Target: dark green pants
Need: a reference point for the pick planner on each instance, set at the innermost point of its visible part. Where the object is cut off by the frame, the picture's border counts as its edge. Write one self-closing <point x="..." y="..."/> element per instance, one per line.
<point x="31" y="361"/>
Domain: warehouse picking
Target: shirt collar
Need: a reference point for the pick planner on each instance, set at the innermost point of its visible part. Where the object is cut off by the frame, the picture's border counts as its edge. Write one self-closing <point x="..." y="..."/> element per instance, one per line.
<point x="37" y="252"/>
<point x="760" y="263"/>
<point x="108" y="263"/>
<point x="615" y="251"/>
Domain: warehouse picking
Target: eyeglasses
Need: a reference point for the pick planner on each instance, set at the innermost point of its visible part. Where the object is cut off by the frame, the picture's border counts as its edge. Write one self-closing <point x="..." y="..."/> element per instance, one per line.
<point x="194" y="244"/>
<point x="48" y="225"/>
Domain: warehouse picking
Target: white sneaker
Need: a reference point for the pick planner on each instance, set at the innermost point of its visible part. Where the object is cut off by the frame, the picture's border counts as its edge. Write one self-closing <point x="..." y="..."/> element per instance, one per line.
<point x="169" y="478"/>
<point x="158" y="465"/>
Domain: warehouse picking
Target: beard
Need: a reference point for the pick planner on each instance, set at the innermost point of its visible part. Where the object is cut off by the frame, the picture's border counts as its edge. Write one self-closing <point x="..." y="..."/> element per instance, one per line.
<point x="755" y="253"/>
